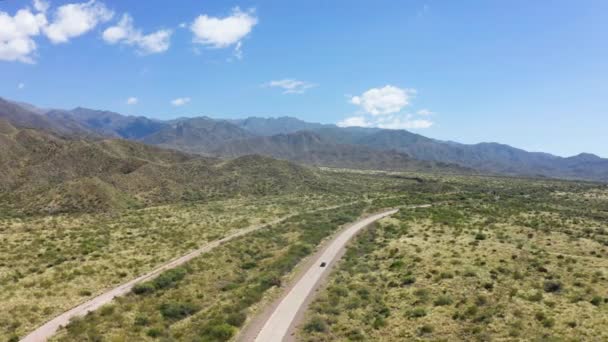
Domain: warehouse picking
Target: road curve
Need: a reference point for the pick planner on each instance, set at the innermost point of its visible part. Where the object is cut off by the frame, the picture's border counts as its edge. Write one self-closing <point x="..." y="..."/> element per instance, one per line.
<point x="277" y="326"/>
<point x="44" y="332"/>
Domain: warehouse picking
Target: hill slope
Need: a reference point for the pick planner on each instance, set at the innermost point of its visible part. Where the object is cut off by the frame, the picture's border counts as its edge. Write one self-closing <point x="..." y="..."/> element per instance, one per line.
<point x="40" y="171"/>
<point x="340" y="146"/>
<point x="489" y="157"/>
<point x="197" y="135"/>
<point x="108" y="124"/>
<point x="274" y="126"/>
<point x="310" y="148"/>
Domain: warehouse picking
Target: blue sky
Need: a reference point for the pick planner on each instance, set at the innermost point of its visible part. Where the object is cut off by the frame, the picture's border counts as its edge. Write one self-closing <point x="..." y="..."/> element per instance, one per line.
<point x="532" y="74"/>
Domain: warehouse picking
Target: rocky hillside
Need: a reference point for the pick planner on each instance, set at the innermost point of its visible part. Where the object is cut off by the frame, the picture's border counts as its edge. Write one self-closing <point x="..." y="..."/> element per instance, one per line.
<point x="327" y="145"/>
<point x="43" y="172"/>
<point x="311" y="148"/>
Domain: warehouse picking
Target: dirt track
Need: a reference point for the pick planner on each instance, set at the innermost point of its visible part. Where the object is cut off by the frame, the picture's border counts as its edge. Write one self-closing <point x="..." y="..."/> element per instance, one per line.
<point x="48" y="329"/>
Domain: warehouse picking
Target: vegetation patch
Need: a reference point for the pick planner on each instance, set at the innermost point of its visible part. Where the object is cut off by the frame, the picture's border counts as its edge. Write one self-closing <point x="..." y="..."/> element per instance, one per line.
<point x="496" y="259"/>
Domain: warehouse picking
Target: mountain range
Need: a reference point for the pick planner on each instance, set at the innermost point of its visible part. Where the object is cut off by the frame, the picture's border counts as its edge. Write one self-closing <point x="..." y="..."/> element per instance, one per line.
<point x="45" y="172"/>
<point x="307" y="143"/>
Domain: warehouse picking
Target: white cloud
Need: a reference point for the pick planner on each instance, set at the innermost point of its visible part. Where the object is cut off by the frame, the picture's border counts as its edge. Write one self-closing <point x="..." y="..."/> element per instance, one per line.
<point x="291" y="86"/>
<point x="180" y="101"/>
<point x="357" y="121"/>
<point x="41" y="5"/>
<point x="76" y="19"/>
<point x="381" y="107"/>
<point x="124" y="32"/>
<point x="132" y="101"/>
<point x="385" y="100"/>
<point x="238" y="52"/>
<point x="16" y="32"/>
<point x="424" y="112"/>
<point x="387" y="122"/>
<point x="21" y="85"/>
<point x="218" y="32"/>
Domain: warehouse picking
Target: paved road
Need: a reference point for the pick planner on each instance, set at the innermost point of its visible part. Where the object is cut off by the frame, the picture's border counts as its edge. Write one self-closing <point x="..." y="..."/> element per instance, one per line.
<point x="47" y="330"/>
<point x="277" y="326"/>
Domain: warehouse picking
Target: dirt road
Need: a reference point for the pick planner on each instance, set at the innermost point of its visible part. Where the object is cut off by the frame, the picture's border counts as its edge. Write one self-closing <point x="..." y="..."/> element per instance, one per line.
<point x="47" y="330"/>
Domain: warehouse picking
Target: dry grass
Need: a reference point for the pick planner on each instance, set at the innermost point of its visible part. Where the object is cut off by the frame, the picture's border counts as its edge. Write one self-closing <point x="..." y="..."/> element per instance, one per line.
<point x="215" y="293"/>
<point x="51" y="263"/>
<point x="482" y="268"/>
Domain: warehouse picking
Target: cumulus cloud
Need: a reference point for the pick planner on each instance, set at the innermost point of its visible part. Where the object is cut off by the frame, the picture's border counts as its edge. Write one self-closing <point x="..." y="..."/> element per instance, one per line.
<point x="386" y="100"/>
<point x="291" y="86"/>
<point x="180" y="101"/>
<point x="73" y="20"/>
<point x="132" y="101"/>
<point x="387" y="122"/>
<point x="16" y="32"/>
<point x="125" y="33"/>
<point x="354" y="121"/>
<point x="41" y="5"/>
<point x="381" y="107"/>
<point x="216" y="32"/>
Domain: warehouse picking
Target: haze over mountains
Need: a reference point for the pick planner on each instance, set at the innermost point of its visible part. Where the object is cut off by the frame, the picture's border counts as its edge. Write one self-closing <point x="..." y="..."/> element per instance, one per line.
<point x="308" y="143"/>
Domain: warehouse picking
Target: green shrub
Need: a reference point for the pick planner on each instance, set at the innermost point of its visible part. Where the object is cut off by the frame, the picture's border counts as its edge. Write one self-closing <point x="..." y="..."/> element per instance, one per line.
<point x="141" y="319"/>
<point x="480" y="236"/>
<point x="164" y="280"/>
<point x="177" y="311"/>
<point x="84" y="293"/>
<point x="106" y="310"/>
<point x="596" y="300"/>
<point x="425" y="329"/>
<point x="355" y="335"/>
<point x="378" y="323"/>
<point x="220" y="332"/>
<point x="169" y="278"/>
<point x="249" y="265"/>
<point x="409" y="280"/>
<point x="154" y="332"/>
<point x="143" y="288"/>
<point x="552" y="286"/>
<point x="316" y="324"/>
<point x="339" y="291"/>
<point x="236" y="319"/>
<point x="417" y="312"/>
<point x="442" y="301"/>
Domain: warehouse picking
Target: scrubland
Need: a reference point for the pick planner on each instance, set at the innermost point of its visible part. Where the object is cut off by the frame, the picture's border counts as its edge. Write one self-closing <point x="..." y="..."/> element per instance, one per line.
<point x="500" y="259"/>
<point x="494" y="258"/>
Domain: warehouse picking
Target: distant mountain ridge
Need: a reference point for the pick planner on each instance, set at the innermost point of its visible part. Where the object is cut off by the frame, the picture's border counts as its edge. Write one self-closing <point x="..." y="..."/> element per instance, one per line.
<point x="308" y="147"/>
<point x="323" y="144"/>
<point x="274" y="126"/>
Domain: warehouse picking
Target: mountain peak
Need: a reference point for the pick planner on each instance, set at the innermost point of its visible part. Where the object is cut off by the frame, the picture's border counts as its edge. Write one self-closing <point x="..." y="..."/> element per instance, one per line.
<point x="586" y="157"/>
